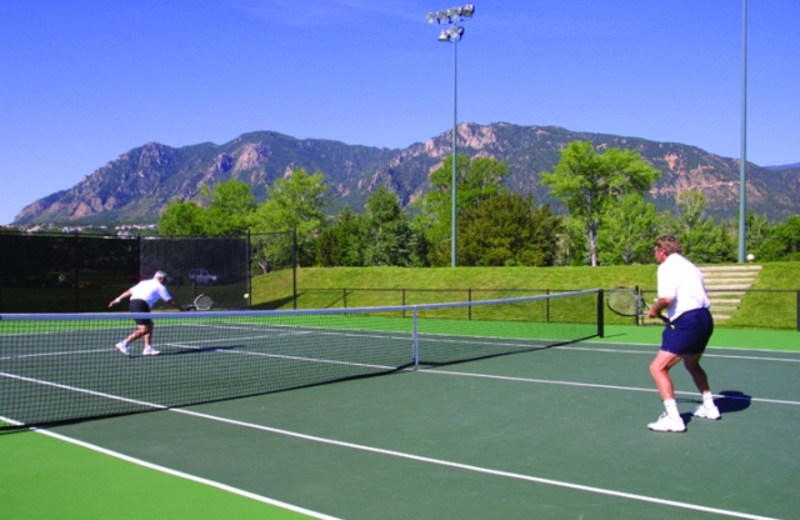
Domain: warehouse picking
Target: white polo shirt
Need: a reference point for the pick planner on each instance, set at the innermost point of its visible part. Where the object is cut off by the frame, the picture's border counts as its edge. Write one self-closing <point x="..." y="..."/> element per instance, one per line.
<point x="150" y="291"/>
<point x="681" y="281"/>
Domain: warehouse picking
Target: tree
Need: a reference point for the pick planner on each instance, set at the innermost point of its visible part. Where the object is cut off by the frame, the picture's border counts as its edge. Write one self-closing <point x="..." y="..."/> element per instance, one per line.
<point x="230" y="205"/>
<point x="329" y="249"/>
<point x="571" y="243"/>
<point x="294" y="203"/>
<point x="773" y="242"/>
<point x="507" y="229"/>
<point x="182" y="218"/>
<point x="419" y="246"/>
<point x="702" y="240"/>
<point x="785" y="241"/>
<point x="476" y="180"/>
<point x="10" y="230"/>
<point x="589" y="183"/>
<point x="629" y="233"/>
<point x="345" y="242"/>
<point x="389" y="231"/>
<point x="759" y="231"/>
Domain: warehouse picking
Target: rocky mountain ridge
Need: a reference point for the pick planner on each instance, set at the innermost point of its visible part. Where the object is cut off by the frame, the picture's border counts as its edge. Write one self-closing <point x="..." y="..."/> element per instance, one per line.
<point x="137" y="185"/>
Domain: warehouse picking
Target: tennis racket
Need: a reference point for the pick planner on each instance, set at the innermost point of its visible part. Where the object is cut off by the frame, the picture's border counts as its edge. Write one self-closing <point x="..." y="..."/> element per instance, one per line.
<point x="203" y="302"/>
<point x="628" y="302"/>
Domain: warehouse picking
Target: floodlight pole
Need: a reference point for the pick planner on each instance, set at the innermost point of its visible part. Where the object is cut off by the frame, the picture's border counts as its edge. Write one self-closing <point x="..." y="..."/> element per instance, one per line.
<point x="743" y="162"/>
<point x="452" y="17"/>
<point x="454" y="179"/>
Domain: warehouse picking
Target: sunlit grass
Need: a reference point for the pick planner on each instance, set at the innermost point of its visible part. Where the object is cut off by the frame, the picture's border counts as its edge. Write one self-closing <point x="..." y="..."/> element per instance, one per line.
<point x="321" y="288"/>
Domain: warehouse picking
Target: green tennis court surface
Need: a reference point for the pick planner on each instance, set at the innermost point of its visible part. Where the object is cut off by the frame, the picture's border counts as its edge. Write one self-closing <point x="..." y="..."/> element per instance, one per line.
<point x="59" y="368"/>
<point x="550" y="433"/>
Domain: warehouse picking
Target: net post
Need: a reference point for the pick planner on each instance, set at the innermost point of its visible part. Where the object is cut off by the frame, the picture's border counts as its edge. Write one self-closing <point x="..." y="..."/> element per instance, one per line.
<point x="600" y="314"/>
<point x="415" y="336"/>
<point x="249" y="256"/>
<point x="798" y="311"/>
<point x="547" y="305"/>
<point x="294" y="268"/>
<point x="77" y="272"/>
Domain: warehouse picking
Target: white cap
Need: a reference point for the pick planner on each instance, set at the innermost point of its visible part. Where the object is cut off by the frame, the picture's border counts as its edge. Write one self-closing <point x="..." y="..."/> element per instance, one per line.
<point x="161" y="275"/>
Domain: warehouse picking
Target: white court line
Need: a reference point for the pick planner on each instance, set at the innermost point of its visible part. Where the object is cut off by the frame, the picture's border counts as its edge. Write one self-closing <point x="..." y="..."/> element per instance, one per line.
<point x="321" y="361"/>
<point x="80" y="390"/>
<point x="656" y="345"/>
<point x="595" y="385"/>
<point x="397" y="454"/>
<point x="476" y="469"/>
<point x="408" y="456"/>
<point x="652" y="349"/>
<point x="428" y="460"/>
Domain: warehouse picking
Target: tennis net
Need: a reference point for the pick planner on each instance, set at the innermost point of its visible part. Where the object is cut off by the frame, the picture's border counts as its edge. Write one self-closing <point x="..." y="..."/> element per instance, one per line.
<point x="57" y="368"/>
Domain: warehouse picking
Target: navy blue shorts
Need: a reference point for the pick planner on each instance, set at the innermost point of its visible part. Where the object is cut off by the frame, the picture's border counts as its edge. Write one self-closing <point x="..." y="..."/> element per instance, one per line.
<point x="689" y="334"/>
<point x="140" y="306"/>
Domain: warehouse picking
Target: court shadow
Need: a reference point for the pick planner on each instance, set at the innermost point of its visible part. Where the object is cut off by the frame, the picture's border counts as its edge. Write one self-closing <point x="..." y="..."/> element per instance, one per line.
<point x="732" y="401"/>
<point x="272" y="304"/>
<point x="199" y="350"/>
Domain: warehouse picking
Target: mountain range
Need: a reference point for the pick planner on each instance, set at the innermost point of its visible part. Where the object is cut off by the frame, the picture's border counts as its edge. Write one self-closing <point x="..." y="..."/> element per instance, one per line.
<point x="136" y="186"/>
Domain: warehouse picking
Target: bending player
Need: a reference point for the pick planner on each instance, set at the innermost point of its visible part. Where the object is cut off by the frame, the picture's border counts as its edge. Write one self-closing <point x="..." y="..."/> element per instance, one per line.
<point x="682" y="292"/>
<point x="143" y="296"/>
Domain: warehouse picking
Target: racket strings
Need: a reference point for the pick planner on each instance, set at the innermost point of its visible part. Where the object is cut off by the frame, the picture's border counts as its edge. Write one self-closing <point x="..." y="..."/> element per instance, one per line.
<point x="203" y="302"/>
<point x="625" y="302"/>
<point x="622" y="303"/>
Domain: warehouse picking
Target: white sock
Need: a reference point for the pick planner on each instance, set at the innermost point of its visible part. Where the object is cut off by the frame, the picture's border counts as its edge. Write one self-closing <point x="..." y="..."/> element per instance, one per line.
<point x="672" y="408"/>
<point x="708" y="400"/>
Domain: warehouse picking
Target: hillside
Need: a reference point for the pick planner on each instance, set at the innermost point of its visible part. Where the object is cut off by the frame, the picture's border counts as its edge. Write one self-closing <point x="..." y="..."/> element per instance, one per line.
<point x="770" y="303"/>
<point x="136" y="186"/>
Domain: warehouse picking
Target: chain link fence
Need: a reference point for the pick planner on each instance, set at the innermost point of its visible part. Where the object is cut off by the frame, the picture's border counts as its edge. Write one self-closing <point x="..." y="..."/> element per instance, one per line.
<point x="81" y="273"/>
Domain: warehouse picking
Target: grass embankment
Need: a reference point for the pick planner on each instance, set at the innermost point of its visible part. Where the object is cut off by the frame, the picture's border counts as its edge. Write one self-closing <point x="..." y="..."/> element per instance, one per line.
<point x="370" y="286"/>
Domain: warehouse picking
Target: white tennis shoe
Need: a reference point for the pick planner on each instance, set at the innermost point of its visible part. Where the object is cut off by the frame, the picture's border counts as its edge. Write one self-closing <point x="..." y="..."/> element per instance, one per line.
<point x="122" y="347"/>
<point x="665" y="423"/>
<point x="150" y="351"/>
<point x="707" y="412"/>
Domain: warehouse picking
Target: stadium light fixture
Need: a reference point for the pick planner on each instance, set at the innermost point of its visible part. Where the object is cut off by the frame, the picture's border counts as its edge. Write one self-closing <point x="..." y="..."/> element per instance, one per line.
<point x="452" y="32"/>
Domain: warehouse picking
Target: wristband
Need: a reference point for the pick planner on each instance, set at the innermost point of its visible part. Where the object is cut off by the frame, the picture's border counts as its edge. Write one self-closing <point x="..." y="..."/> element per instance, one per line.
<point x="117" y="300"/>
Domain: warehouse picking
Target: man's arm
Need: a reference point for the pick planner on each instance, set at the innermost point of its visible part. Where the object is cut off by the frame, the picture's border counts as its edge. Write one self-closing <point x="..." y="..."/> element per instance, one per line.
<point x="119" y="298"/>
<point x="660" y="305"/>
<point x="175" y="304"/>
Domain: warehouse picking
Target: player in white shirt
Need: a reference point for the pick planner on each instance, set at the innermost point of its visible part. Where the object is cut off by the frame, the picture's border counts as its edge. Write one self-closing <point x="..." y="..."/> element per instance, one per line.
<point x="143" y="296"/>
<point x="682" y="292"/>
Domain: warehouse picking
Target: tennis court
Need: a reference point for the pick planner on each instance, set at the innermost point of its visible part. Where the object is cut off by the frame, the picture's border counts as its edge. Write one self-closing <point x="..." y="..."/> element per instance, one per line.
<point x="547" y="432"/>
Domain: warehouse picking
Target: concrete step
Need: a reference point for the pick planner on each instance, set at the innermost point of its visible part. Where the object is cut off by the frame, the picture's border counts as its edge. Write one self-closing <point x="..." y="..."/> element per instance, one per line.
<point x="729" y="268"/>
<point x="727" y="285"/>
<point x="713" y="286"/>
<point x="724" y="301"/>
<point x="729" y="280"/>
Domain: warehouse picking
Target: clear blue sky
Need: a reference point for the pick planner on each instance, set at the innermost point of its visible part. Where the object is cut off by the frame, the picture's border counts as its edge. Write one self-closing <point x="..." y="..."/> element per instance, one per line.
<point x="84" y="81"/>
